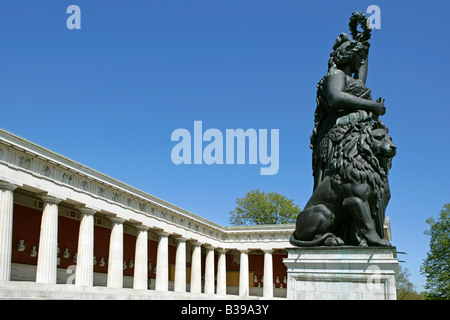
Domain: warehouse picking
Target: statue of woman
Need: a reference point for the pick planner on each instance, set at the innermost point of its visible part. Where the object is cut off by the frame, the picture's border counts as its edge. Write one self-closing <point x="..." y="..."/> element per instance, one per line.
<point x="342" y="100"/>
<point x="352" y="153"/>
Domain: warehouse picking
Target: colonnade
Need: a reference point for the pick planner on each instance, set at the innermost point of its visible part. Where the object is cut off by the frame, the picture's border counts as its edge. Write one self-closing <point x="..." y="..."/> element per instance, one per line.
<point x="46" y="271"/>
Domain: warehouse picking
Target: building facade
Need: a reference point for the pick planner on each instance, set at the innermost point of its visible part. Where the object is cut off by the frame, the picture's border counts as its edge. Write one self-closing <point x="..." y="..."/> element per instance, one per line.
<point x="65" y="227"/>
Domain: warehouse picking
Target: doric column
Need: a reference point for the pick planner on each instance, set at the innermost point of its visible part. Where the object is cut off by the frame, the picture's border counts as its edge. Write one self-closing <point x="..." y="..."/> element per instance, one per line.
<point x="243" y="274"/>
<point x="115" y="259"/>
<point x="162" y="263"/>
<point x="180" y="266"/>
<point x="140" y="259"/>
<point x="209" y="270"/>
<point x="6" y="228"/>
<point x="85" y="252"/>
<point x="222" y="273"/>
<point x="48" y="241"/>
<point x="196" y="268"/>
<point x="268" y="274"/>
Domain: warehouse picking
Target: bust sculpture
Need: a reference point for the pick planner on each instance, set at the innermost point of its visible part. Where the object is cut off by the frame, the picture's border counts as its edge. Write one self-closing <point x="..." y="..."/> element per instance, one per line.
<point x="351" y="152"/>
<point x="66" y="253"/>
<point x="21" y="245"/>
<point x="33" y="252"/>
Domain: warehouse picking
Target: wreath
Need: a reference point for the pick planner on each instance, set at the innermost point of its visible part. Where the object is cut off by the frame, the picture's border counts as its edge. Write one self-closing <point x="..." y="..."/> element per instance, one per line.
<point x="361" y="19"/>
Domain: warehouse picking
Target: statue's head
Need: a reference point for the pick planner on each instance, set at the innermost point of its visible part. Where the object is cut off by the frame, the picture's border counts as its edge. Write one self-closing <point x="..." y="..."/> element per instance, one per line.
<point x="348" y="52"/>
<point x="351" y="52"/>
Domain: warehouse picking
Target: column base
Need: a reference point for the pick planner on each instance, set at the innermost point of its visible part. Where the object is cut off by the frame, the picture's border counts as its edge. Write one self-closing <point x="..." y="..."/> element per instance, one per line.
<point x="341" y="273"/>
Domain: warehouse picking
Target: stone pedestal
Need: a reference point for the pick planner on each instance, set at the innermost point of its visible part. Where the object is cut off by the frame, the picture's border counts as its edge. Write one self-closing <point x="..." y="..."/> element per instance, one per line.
<point x="341" y="273"/>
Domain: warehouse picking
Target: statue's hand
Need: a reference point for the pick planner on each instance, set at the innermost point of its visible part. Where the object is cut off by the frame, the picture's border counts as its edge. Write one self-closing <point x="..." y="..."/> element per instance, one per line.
<point x="382" y="107"/>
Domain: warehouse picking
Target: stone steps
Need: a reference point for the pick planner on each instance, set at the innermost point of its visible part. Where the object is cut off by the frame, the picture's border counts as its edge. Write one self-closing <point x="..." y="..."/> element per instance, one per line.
<point x="24" y="290"/>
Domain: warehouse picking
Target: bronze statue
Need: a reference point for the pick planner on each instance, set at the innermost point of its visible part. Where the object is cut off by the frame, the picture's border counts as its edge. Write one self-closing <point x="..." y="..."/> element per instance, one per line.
<point x="352" y="152"/>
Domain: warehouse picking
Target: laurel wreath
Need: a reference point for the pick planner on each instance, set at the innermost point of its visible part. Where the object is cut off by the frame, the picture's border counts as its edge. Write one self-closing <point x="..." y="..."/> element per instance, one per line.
<point x="361" y="19"/>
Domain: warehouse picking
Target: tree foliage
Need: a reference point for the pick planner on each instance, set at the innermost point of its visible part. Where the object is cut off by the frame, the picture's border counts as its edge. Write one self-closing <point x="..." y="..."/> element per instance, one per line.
<point x="436" y="266"/>
<point x="405" y="289"/>
<point x="258" y="207"/>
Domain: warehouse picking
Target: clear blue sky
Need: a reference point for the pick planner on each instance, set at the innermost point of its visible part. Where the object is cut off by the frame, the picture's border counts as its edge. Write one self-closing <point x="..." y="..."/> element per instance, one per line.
<point x="110" y="95"/>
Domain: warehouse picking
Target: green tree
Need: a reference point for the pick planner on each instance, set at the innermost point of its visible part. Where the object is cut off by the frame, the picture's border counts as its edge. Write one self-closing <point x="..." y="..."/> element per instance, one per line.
<point x="436" y="266"/>
<point x="258" y="207"/>
<point x="405" y="289"/>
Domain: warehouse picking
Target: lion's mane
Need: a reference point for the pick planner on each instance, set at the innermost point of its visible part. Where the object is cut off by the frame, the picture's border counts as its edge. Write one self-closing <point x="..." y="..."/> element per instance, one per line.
<point x="354" y="161"/>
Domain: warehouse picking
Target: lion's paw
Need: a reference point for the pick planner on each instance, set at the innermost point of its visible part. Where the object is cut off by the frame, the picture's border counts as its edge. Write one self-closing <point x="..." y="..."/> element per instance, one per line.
<point x="333" y="241"/>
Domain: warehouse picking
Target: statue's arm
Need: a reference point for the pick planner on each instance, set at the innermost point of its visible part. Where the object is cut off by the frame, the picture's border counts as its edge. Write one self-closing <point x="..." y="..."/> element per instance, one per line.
<point x="362" y="72"/>
<point x="337" y="98"/>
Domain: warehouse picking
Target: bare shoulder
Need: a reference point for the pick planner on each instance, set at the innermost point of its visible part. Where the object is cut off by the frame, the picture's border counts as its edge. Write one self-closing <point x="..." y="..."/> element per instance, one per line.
<point x="335" y="79"/>
<point x="335" y="75"/>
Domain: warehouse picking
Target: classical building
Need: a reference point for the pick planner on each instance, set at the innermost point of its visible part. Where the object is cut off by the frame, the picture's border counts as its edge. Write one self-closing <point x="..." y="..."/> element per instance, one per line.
<point x="67" y="231"/>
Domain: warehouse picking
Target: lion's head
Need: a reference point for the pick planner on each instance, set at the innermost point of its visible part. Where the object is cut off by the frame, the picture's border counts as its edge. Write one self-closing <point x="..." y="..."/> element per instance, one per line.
<point x="364" y="155"/>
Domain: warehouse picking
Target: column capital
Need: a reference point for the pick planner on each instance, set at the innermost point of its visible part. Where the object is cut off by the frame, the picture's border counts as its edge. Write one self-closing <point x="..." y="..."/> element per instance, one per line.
<point x="50" y="198"/>
<point x="244" y="250"/>
<point x="116" y="220"/>
<point x="163" y="234"/>
<point x="196" y="243"/>
<point x="8" y="186"/>
<point x="181" y="239"/>
<point x="141" y="227"/>
<point x="267" y="250"/>
<point x="87" y="210"/>
<point x="221" y="250"/>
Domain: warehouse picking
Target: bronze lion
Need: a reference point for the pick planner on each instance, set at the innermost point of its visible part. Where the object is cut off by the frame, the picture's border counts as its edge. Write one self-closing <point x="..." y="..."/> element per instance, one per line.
<point x="347" y="207"/>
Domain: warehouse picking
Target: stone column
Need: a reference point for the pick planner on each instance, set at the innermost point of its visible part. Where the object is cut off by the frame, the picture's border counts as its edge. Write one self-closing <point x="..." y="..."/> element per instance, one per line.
<point x="268" y="274"/>
<point x="243" y="274"/>
<point x="140" y="278"/>
<point x="6" y="228"/>
<point x="84" y="274"/>
<point x="162" y="263"/>
<point x="180" y="266"/>
<point x="48" y="242"/>
<point x="115" y="259"/>
<point x="196" y="268"/>
<point x="221" y="273"/>
<point x="209" y="270"/>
